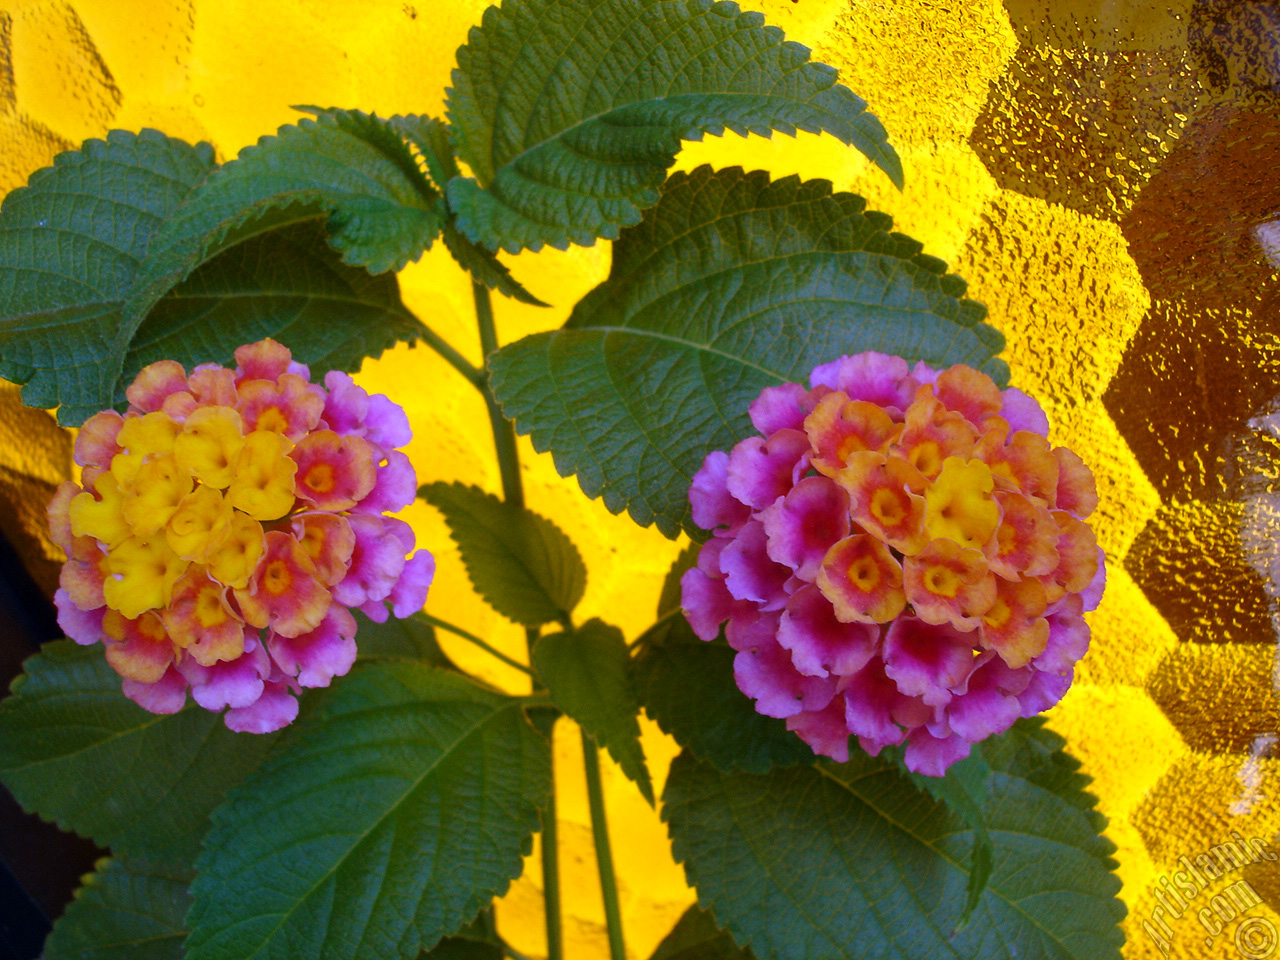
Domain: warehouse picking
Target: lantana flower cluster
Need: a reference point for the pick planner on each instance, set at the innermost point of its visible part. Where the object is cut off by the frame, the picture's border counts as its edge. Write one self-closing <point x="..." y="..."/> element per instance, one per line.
<point x="900" y="555"/>
<point x="227" y="525"/>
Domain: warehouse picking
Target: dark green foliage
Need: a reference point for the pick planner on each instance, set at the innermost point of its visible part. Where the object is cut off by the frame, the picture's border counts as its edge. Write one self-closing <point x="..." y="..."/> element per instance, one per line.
<point x="569" y="112"/>
<point x="520" y="562"/>
<point x="400" y="811"/>
<point x="76" y="751"/>
<point x="853" y="860"/>
<point x="128" y="910"/>
<point x="687" y="687"/>
<point x="585" y="671"/>
<point x="731" y="284"/>
<point x="71" y="242"/>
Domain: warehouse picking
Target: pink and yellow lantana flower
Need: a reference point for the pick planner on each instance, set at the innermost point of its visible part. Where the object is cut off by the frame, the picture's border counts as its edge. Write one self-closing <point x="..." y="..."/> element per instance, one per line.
<point x="899" y="555"/>
<point x="227" y="525"/>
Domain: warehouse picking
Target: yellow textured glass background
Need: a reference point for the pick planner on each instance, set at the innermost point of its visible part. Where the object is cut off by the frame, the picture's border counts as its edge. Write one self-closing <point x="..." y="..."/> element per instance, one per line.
<point x="1101" y="174"/>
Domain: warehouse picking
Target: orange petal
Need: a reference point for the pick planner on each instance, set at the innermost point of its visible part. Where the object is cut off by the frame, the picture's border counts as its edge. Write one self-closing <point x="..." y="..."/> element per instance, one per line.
<point x="838" y="427"/>
<point x="948" y="583"/>
<point x="862" y="581"/>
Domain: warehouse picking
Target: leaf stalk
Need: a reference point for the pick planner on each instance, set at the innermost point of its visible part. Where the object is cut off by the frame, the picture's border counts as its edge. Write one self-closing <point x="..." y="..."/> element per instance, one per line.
<point x="604" y="854"/>
<point x="504" y="442"/>
<point x="482" y="644"/>
<point x="504" y="434"/>
<point x="473" y="374"/>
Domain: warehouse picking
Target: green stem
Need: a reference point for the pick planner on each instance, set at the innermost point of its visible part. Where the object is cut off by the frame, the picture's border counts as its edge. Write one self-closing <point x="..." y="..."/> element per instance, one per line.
<point x="504" y="434"/>
<point x="474" y="375"/>
<point x="544" y="721"/>
<point x="504" y="442"/>
<point x="604" y="855"/>
<point x="512" y="952"/>
<point x="483" y="645"/>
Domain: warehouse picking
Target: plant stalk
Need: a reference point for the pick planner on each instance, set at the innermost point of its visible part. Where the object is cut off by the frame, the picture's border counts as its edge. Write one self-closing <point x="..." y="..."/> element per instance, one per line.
<point x="544" y="721"/>
<point x="504" y="442"/>
<point x="504" y="434"/>
<point x="604" y="854"/>
<point x="482" y="644"/>
<point x="474" y="375"/>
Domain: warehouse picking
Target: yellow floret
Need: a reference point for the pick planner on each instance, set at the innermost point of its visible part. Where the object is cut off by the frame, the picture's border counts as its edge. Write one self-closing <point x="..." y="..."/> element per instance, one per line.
<point x="263" y="484"/>
<point x="158" y="489"/>
<point x="210" y="441"/>
<point x="240" y="551"/>
<point x="141" y="575"/>
<point x="149" y="435"/>
<point x="102" y="519"/>
<point x="200" y="524"/>
<point x="959" y="506"/>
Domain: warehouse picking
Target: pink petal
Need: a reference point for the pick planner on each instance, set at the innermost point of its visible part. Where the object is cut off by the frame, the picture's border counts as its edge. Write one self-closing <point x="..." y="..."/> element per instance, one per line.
<point x="760" y="471"/>
<point x="229" y="683"/>
<point x="167" y="695"/>
<point x="923" y="373"/>
<point x="375" y="610"/>
<point x="275" y="708"/>
<point x="409" y="595"/>
<point x="932" y="756"/>
<point x="1092" y="594"/>
<point x="874" y="707"/>
<point x="821" y="645"/>
<point x="96" y="442"/>
<point x="824" y="730"/>
<point x="804" y="524"/>
<point x="749" y="573"/>
<point x="1023" y="412"/>
<point x="985" y="707"/>
<point x="386" y="422"/>
<point x="376" y="562"/>
<point x="749" y="629"/>
<point x="875" y="377"/>
<point x="706" y="603"/>
<point x="1044" y="691"/>
<point x="82" y="626"/>
<point x="395" y="527"/>
<point x="926" y="660"/>
<point x="317" y="657"/>
<point x="780" y="408"/>
<point x="1068" y="637"/>
<point x="266" y="360"/>
<point x="154" y="383"/>
<point x="767" y="676"/>
<point x="347" y="405"/>
<point x="394" y="489"/>
<point x="713" y="505"/>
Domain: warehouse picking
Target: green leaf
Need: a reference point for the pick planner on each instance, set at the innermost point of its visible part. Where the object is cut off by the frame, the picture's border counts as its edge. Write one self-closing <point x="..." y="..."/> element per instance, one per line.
<point x="520" y="562"/>
<point x="431" y="137"/>
<point x="485" y="267"/>
<point x="75" y="750"/>
<point x="696" y="937"/>
<point x="352" y="168"/>
<point x="289" y="285"/>
<point x="399" y="812"/>
<point x="128" y="910"/>
<point x="964" y="790"/>
<point x="409" y="639"/>
<point x="852" y="860"/>
<point x="585" y="671"/>
<point x="731" y="284"/>
<point x="569" y="112"/>
<point x="71" y="242"/>
<point x="686" y="686"/>
<point x="478" y="940"/>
